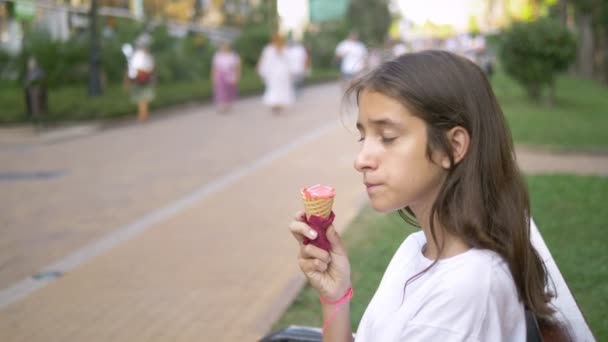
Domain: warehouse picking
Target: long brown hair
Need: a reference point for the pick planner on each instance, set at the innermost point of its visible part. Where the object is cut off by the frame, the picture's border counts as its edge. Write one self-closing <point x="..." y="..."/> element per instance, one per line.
<point x="484" y="199"/>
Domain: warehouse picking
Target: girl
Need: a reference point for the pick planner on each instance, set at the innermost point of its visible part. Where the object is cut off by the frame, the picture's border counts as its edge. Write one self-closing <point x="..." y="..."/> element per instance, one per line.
<point x="435" y="147"/>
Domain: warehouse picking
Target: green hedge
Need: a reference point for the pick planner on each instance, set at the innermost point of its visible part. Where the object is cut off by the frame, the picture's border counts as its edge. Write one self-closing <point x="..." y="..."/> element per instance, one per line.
<point x="71" y="103"/>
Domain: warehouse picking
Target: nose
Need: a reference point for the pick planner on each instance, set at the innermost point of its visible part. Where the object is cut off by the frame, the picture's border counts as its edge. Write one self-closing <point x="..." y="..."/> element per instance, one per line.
<point x="366" y="159"/>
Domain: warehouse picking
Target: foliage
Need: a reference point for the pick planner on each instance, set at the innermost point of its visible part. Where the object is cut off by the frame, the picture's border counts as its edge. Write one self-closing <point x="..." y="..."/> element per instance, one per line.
<point x="69" y="103"/>
<point x="250" y="43"/>
<point x="533" y="53"/>
<point x="63" y="62"/>
<point x="321" y="43"/>
<point x="371" y="19"/>
<point x="180" y="59"/>
<point x="67" y="63"/>
<point x="473" y="26"/>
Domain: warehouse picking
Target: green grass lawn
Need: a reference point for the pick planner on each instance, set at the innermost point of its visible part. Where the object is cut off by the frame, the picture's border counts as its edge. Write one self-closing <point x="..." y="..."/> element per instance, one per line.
<point x="579" y="120"/>
<point x="569" y="212"/>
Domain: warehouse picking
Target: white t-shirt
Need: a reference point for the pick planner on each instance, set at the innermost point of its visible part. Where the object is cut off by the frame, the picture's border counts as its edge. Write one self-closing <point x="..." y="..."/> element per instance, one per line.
<point x="297" y="56"/>
<point x="353" y="54"/>
<point x="468" y="297"/>
<point x="141" y="60"/>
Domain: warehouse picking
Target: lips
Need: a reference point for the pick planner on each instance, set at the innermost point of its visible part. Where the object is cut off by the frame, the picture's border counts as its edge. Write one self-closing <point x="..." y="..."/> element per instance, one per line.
<point x="371" y="186"/>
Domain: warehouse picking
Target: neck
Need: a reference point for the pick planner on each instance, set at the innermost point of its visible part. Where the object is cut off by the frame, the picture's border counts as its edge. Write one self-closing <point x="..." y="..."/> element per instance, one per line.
<point x="452" y="244"/>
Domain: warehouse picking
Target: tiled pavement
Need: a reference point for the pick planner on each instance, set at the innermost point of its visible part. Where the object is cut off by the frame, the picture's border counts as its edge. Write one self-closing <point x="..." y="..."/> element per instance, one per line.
<point x="221" y="266"/>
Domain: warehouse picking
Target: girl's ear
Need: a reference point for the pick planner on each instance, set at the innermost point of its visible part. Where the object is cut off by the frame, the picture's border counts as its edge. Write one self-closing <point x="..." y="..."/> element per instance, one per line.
<point x="459" y="140"/>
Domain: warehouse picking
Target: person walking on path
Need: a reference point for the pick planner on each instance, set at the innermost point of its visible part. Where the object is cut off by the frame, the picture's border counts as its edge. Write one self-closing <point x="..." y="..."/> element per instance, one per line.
<point x="435" y="147"/>
<point x="353" y="58"/>
<point x="274" y="68"/>
<point x="36" y="98"/>
<point x="299" y="61"/>
<point x="225" y="74"/>
<point x="140" y="78"/>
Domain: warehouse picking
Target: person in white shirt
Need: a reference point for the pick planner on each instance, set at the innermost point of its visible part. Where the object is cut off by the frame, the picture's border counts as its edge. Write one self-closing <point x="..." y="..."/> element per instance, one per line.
<point x="141" y="78"/>
<point x="274" y="69"/>
<point x="435" y="147"/>
<point x="352" y="55"/>
<point x="299" y="62"/>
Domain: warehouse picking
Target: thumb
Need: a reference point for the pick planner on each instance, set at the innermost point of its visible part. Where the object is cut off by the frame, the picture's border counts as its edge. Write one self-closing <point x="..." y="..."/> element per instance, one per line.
<point x="335" y="240"/>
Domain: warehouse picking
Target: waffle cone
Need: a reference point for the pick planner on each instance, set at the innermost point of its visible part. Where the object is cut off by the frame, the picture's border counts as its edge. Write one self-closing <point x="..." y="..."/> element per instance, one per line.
<point x="318" y="206"/>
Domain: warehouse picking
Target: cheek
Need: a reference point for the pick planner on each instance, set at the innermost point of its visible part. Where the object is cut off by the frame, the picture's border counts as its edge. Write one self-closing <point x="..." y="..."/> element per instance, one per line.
<point x="411" y="174"/>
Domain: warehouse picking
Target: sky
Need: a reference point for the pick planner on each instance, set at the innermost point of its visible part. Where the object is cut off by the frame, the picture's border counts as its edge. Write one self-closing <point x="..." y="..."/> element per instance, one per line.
<point x="453" y="12"/>
<point x="294" y="13"/>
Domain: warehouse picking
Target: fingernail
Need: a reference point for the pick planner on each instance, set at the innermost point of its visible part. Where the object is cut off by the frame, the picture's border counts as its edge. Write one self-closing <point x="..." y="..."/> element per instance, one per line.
<point x="312" y="234"/>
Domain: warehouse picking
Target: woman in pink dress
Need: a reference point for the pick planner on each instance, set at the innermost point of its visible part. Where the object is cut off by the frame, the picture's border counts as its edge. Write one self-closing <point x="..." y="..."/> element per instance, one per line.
<point x="225" y="73"/>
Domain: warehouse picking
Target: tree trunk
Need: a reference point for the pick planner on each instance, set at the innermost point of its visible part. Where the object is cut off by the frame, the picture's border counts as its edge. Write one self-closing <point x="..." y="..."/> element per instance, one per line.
<point x="197" y="10"/>
<point x="94" y="53"/>
<point x="584" y="58"/>
<point x="601" y="54"/>
<point x="563" y="11"/>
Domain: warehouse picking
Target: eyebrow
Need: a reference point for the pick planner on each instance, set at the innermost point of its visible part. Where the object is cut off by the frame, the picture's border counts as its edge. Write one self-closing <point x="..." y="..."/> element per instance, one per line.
<point x="378" y="122"/>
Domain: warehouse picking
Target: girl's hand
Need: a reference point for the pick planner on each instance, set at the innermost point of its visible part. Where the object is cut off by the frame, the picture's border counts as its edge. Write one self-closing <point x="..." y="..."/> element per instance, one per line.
<point x="328" y="272"/>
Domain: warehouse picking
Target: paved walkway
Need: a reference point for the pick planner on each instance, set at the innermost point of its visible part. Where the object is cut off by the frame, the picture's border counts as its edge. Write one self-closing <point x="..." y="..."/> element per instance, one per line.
<point x="175" y="229"/>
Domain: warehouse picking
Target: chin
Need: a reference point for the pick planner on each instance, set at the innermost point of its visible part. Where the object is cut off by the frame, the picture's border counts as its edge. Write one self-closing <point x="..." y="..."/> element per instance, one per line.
<point x="384" y="207"/>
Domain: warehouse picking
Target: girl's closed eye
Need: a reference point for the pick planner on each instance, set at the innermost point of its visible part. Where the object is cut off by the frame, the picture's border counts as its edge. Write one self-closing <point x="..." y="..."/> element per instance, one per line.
<point x="361" y="138"/>
<point x="388" y="140"/>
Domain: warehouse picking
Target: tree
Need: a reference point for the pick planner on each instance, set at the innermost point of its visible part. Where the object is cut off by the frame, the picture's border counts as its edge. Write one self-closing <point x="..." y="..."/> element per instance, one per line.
<point x="591" y="17"/>
<point x="533" y="53"/>
<point x="94" y="57"/>
<point x="371" y="19"/>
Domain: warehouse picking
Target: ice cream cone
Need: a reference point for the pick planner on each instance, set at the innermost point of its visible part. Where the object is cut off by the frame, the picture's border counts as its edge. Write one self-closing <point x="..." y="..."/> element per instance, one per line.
<point x="318" y="200"/>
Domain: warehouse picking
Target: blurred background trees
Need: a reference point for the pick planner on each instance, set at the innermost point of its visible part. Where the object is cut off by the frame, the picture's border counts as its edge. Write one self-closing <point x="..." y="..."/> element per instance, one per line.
<point x="533" y="53"/>
<point x="534" y="40"/>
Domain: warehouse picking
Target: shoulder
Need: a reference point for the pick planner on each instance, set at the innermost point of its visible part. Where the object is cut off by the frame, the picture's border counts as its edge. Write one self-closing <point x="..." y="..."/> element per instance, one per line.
<point x="477" y="274"/>
<point x="412" y="244"/>
<point x="474" y="288"/>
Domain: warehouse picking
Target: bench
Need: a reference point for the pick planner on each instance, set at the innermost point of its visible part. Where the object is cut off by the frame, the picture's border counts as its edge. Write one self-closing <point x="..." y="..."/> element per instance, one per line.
<point x="568" y="311"/>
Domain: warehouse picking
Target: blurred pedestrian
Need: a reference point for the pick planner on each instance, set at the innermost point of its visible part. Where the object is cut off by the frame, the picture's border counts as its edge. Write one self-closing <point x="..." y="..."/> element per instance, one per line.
<point x="35" y="91"/>
<point x="140" y="77"/>
<point x="353" y="57"/>
<point x="274" y="68"/>
<point x="299" y="63"/>
<point x="225" y="74"/>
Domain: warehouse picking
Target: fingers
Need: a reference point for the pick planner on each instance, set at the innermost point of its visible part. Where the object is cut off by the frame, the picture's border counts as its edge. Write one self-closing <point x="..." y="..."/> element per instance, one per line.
<point x="312" y="265"/>
<point x="313" y="252"/>
<point x="299" y="216"/>
<point x="335" y="240"/>
<point x="313" y="259"/>
<point x="299" y="229"/>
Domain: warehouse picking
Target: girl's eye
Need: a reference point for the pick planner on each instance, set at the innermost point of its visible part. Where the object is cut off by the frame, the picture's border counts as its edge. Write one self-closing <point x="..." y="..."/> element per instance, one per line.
<point x="386" y="140"/>
<point x="361" y="139"/>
